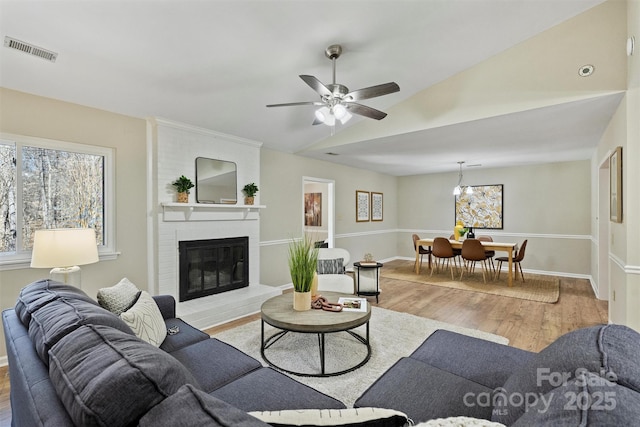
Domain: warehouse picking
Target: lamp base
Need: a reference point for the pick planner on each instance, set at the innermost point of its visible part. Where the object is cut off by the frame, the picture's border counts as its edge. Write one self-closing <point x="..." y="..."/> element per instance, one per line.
<point x="68" y="275"/>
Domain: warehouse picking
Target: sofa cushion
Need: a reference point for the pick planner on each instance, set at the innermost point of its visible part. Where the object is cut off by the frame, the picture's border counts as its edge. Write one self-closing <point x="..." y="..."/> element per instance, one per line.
<point x="38" y="294"/>
<point x="485" y="362"/>
<point x="145" y="320"/>
<point x="588" y="400"/>
<point x="105" y="377"/>
<point x="34" y="399"/>
<point x="62" y="316"/>
<point x="119" y="297"/>
<point x="192" y="407"/>
<point x="265" y="389"/>
<point x="354" y="417"/>
<point x="215" y="363"/>
<point x="424" y="392"/>
<point x="182" y="335"/>
<point x="610" y="351"/>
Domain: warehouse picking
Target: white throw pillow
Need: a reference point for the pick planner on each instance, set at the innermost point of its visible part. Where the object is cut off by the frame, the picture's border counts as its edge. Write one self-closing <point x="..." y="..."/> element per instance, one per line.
<point x="119" y="297"/>
<point x="333" y="417"/>
<point x="459" y="422"/>
<point x="145" y="320"/>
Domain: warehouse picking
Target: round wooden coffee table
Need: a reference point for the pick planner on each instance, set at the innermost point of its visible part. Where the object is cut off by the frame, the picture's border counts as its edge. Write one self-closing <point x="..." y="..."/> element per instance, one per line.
<point x="279" y="313"/>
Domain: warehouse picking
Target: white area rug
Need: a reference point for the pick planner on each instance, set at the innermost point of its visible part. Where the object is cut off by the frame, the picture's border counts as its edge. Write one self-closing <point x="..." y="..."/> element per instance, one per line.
<point x="392" y="335"/>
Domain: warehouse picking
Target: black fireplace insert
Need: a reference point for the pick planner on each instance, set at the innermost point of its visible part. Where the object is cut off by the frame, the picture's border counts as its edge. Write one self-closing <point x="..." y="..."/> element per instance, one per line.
<point x="213" y="266"/>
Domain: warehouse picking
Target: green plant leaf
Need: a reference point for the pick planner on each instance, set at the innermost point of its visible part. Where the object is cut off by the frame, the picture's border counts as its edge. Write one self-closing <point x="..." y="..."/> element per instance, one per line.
<point x="303" y="262"/>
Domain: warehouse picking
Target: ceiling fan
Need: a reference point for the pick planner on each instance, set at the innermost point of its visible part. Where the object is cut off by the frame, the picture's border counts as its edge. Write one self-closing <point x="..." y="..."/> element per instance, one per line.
<point x="336" y="102"/>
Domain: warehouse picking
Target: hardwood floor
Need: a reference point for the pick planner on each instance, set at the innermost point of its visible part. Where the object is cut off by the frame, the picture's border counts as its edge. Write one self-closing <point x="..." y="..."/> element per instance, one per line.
<point x="527" y="324"/>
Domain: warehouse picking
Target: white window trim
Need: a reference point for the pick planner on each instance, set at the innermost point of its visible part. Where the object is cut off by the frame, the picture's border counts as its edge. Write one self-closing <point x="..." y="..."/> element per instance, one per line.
<point x="106" y="251"/>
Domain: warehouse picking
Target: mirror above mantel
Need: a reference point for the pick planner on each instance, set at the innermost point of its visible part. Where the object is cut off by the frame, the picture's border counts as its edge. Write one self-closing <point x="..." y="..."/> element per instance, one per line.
<point x="216" y="181"/>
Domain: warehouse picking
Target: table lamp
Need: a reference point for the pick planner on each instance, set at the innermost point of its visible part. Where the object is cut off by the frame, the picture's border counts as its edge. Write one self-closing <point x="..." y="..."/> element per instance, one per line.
<point x="64" y="249"/>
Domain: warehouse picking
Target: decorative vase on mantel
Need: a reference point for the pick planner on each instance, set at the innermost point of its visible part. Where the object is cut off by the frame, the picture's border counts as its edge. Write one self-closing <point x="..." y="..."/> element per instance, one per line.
<point x="248" y="200"/>
<point x="301" y="301"/>
<point x="183" y="197"/>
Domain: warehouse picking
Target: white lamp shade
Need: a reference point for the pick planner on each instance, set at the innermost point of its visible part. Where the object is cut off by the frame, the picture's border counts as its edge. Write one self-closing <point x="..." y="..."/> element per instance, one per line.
<point x="64" y="247"/>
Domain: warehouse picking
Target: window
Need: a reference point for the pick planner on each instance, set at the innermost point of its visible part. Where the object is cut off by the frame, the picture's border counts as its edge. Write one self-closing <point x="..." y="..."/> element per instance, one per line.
<point x="52" y="184"/>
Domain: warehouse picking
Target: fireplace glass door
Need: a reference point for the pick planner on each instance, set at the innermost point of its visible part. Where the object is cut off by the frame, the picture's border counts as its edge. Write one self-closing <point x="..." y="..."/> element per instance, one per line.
<point x="213" y="266"/>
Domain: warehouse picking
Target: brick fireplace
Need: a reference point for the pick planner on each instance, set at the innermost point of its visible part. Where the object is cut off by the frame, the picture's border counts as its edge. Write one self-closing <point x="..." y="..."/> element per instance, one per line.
<point x="174" y="148"/>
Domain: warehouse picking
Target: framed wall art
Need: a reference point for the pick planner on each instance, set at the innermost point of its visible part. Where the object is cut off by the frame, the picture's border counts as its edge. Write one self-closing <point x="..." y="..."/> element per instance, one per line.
<point x="482" y="208"/>
<point x="376" y="206"/>
<point x="362" y="206"/>
<point x="313" y="209"/>
<point x="615" y="185"/>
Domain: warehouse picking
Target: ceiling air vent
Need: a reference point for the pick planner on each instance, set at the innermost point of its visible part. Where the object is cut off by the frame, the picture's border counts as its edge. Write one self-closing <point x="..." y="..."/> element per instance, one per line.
<point x="30" y="49"/>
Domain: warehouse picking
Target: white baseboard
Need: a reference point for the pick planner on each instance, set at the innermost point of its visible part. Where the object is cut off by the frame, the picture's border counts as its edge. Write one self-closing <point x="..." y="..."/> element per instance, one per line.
<point x="4" y="361"/>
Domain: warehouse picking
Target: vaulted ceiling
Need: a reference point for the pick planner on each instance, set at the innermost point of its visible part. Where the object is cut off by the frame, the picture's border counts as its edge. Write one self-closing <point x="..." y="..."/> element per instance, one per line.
<point x="490" y="82"/>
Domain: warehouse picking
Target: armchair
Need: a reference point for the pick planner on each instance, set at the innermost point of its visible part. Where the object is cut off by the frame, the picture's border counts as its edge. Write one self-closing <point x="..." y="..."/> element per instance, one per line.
<point x="331" y="271"/>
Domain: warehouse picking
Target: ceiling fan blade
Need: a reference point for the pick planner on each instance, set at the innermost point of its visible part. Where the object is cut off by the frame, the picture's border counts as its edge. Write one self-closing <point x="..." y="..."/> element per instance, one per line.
<point x="316" y="85"/>
<point x="365" y="111"/>
<point x="372" y="91"/>
<point x="291" y="104"/>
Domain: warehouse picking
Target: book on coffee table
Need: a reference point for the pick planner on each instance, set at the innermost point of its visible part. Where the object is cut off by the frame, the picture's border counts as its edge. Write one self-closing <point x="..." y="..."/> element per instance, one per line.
<point x="353" y="304"/>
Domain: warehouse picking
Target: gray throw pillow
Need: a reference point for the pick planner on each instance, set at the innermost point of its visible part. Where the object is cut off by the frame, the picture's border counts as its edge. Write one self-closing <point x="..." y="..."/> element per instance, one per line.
<point x="118" y="297"/>
<point x="331" y="266"/>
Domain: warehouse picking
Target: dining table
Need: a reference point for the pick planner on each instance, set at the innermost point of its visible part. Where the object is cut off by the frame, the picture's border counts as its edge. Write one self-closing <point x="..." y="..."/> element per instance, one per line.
<point x="509" y="248"/>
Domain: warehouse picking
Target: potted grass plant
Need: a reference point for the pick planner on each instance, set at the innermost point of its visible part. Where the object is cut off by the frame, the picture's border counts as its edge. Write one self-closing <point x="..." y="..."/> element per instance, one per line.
<point x="303" y="262"/>
<point x="183" y="185"/>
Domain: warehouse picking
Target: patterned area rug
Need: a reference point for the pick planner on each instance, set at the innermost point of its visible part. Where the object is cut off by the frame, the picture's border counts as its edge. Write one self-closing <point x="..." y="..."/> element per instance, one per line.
<point x="392" y="335"/>
<point x="535" y="288"/>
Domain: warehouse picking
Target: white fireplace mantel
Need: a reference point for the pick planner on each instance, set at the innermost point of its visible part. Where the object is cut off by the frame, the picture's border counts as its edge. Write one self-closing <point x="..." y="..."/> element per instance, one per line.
<point x="209" y="212"/>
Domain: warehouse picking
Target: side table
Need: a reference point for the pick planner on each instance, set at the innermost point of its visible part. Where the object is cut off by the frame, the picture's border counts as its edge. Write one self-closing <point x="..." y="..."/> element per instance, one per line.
<point x="375" y="266"/>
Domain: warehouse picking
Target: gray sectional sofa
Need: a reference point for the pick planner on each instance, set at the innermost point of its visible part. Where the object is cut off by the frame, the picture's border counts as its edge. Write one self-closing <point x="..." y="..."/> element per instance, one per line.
<point x="587" y="377"/>
<point x="72" y="362"/>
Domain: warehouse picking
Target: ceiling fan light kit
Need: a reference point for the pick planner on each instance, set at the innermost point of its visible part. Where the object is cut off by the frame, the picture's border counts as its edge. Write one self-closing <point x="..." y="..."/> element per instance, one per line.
<point x="336" y="102"/>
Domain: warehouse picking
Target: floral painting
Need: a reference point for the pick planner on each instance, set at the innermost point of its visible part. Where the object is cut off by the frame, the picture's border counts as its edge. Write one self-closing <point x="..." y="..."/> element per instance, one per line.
<point x="482" y="208"/>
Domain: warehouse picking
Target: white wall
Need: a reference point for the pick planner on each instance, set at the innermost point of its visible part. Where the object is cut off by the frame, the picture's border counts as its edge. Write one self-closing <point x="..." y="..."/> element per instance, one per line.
<point x="281" y="178"/>
<point x="547" y="204"/>
<point x="25" y="114"/>
<point x="622" y="246"/>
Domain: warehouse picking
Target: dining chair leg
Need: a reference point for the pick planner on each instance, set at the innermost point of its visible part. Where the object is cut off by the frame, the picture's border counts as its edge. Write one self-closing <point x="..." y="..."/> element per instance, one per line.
<point x="498" y="270"/>
<point x="518" y="265"/>
<point x="484" y="267"/>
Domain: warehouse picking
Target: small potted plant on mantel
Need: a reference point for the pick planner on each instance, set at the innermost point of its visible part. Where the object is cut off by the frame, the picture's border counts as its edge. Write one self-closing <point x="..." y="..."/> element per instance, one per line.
<point x="250" y="191"/>
<point x="183" y="185"/>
